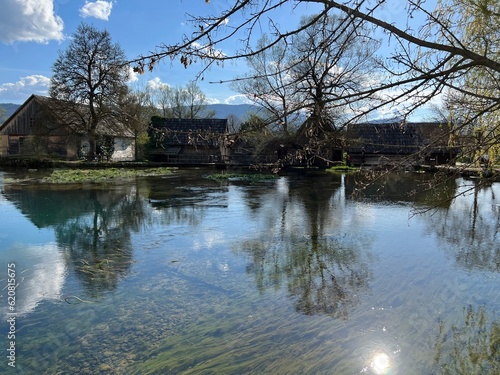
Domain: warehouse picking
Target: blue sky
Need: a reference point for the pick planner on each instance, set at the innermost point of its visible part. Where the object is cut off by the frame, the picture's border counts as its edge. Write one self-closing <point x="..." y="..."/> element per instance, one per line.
<point x="32" y="32"/>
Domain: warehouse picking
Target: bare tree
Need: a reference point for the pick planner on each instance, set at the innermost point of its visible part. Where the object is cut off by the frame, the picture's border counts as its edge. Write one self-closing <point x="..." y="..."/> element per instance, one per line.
<point x="268" y="84"/>
<point x="332" y="59"/>
<point x="195" y="102"/>
<point x="307" y="76"/>
<point x="89" y="78"/>
<point x="212" y="31"/>
<point x="181" y="102"/>
<point x="160" y="98"/>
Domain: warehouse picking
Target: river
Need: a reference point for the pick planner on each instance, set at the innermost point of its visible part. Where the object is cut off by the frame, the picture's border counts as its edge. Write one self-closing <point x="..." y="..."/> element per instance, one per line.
<point x="315" y="274"/>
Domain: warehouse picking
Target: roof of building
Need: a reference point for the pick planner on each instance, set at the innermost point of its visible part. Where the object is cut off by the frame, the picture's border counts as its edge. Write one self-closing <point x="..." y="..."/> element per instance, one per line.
<point x="43" y="105"/>
<point x="397" y="137"/>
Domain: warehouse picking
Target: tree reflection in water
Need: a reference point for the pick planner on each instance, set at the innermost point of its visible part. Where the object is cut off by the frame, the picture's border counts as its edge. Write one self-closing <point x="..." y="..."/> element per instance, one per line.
<point x="307" y="249"/>
<point x="98" y="243"/>
<point x="327" y="277"/>
<point x="92" y="227"/>
<point x="469" y="229"/>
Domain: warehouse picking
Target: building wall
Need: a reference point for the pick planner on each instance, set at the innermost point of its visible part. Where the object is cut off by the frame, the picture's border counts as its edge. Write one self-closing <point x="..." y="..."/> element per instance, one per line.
<point x="4" y="144"/>
<point x="17" y="145"/>
<point x="23" y="122"/>
<point x="124" y="149"/>
<point x="32" y="145"/>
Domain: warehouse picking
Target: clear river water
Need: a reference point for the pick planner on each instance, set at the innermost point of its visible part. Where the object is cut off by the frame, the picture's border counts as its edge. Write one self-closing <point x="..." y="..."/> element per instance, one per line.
<point x="311" y="274"/>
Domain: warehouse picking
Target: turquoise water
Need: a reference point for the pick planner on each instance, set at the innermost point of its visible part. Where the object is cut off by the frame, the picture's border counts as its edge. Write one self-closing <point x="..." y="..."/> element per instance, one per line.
<point x="185" y="275"/>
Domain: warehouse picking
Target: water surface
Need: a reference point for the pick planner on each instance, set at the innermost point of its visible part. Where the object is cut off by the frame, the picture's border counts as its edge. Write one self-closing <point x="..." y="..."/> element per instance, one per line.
<point x="297" y="275"/>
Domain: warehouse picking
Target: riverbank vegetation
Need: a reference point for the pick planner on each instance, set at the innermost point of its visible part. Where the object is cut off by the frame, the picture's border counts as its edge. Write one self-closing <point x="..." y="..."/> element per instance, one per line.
<point x="72" y="176"/>
<point x="342" y="168"/>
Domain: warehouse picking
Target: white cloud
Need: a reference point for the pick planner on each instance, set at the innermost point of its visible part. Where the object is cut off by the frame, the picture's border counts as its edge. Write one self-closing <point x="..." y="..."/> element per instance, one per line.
<point x="132" y="76"/>
<point x="208" y="50"/>
<point x="156" y="84"/>
<point x="29" y="21"/>
<point x="237" y="99"/>
<point x="98" y="9"/>
<point x="22" y="89"/>
<point x="212" y="101"/>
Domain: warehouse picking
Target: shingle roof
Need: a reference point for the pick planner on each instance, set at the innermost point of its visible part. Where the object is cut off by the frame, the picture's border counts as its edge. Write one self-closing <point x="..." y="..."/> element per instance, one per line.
<point x="396" y="137"/>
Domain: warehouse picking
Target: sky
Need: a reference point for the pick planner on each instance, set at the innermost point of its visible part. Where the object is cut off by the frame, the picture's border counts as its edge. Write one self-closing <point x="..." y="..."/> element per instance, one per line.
<point x="33" y="32"/>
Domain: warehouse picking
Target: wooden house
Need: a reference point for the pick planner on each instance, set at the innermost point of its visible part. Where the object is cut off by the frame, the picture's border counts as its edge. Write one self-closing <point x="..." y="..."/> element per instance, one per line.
<point x="190" y="141"/>
<point x="400" y="143"/>
<point x="33" y="129"/>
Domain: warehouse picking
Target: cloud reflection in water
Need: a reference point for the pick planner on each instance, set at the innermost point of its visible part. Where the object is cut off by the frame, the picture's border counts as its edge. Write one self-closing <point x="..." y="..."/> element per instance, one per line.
<point x="40" y="275"/>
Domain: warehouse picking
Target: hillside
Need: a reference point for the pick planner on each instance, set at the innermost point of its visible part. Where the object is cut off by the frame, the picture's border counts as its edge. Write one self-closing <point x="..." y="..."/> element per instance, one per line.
<point x="9" y="109"/>
<point x="241" y="111"/>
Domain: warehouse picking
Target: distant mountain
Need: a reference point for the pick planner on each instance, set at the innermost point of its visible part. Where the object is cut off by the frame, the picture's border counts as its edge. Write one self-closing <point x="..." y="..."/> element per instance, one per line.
<point x="241" y="111"/>
<point x="8" y="109"/>
<point x="386" y="120"/>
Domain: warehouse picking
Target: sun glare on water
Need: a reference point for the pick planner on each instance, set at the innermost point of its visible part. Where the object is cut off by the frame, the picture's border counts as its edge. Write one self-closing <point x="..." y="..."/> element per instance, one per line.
<point x="380" y="364"/>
